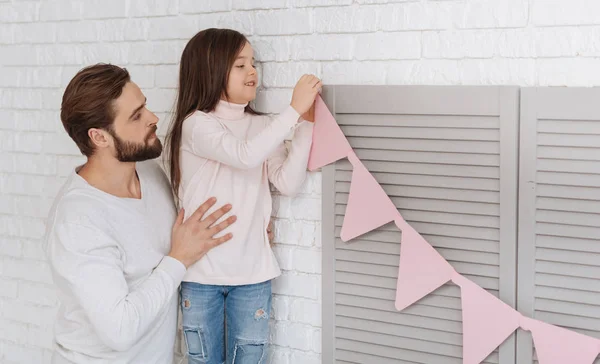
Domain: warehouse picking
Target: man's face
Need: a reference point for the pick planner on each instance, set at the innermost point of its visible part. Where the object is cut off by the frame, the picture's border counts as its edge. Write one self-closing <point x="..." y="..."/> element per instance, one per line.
<point x="134" y="128"/>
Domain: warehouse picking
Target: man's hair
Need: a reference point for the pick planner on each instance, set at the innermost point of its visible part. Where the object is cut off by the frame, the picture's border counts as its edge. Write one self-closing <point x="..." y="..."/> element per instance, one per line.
<point x="88" y="102"/>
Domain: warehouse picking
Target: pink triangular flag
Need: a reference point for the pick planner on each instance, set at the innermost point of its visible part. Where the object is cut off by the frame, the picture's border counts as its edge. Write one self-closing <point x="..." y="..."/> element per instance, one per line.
<point x="368" y="207"/>
<point x="555" y="345"/>
<point x="328" y="142"/>
<point x="487" y="321"/>
<point x="422" y="269"/>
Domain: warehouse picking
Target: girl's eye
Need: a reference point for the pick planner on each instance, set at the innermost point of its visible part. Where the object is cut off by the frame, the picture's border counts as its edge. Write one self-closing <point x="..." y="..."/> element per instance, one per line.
<point x="240" y="66"/>
<point x="137" y="116"/>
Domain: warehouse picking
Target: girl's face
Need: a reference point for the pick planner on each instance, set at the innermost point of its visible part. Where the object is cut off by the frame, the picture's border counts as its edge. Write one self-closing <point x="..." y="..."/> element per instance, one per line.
<point x="243" y="79"/>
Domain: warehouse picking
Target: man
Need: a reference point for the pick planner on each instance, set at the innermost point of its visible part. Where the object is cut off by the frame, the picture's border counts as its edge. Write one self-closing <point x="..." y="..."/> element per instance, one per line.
<point x="117" y="249"/>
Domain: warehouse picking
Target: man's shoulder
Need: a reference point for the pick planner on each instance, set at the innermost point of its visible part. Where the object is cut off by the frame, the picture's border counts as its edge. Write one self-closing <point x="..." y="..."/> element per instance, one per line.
<point x="76" y="211"/>
<point x="77" y="205"/>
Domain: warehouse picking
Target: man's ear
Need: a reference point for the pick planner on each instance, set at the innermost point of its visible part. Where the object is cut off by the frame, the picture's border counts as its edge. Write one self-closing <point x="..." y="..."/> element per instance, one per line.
<point x="100" y="138"/>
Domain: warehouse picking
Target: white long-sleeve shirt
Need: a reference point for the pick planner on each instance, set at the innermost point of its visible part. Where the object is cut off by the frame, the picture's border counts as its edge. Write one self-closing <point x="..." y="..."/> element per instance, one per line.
<point x="232" y="155"/>
<point x="116" y="284"/>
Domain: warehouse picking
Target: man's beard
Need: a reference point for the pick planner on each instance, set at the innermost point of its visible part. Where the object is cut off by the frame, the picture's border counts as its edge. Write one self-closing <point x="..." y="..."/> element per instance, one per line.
<point x="134" y="152"/>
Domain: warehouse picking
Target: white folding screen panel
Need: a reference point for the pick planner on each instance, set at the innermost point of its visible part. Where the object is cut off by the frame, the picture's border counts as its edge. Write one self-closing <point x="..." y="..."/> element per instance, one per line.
<point x="447" y="157"/>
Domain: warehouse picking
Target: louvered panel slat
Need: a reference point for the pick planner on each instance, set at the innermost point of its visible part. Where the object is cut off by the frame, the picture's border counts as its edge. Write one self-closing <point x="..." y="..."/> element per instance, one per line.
<point x="349" y="356"/>
<point x="572" y="153"/>
<point x="448" y="146"/>
<point x="448" y="294"/>
<point x="584" y="232"/>
<point x="429" y="169"/>
<point x="369" y="246"/>
<point x="569" y="166"/>
<point x="395" y="352"/>
<point x="431" y="193"/>
<point x="567" y="140"/>
<point x="569" y="179"/>
<point x="474" y="208"/>
<point x="451" y="254"/>
<point x="367" y="315"/>
<point x="568" y="308"/>
<point x="476" y="184"/>
<point x="567" y="269"/>
<point x="576" y="193"/>
<point x="568" y="243"/>
<point x="567" y="282"/>
<point x="566" y="295"/>
<point x="367" y="257"/>
<point x="422" y="121"/>
<point x="464" y="159"/>
<point x="403" y="355"/>
<point x="459" y="228"/>
<point x="439" y="133"/>
<point x="572" y="126"/>
<point x="568" y="217"/>
<point x="381" y="281"/>
<point x="559" y="227"/>
<point x="436" y="241"/>
<point x="344" y="362"/>
<point x="443" y="230"/>
<point x="416" y="343"/>
<point x="573" y="322"/>
<point x="427" y="307"/>
<point x="466" y="258"/>
<point x="561" y="255"/>
<point x="364" y="268"/>
<point x="445" y="167"/>
<point x="568" y="204"/>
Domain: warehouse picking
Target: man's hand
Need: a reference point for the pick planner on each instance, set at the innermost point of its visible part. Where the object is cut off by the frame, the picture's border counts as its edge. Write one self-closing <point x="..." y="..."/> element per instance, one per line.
<point x="192" y="239"/>
<point x="270" y="232"/>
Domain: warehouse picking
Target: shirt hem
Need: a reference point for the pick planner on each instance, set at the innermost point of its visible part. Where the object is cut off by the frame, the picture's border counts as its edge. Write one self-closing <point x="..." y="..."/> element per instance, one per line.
<point x="229" y="281"/>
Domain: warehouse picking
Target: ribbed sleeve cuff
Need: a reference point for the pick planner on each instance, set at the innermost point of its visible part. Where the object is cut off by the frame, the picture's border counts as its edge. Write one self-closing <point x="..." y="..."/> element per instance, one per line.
<point x="172" y="267"/>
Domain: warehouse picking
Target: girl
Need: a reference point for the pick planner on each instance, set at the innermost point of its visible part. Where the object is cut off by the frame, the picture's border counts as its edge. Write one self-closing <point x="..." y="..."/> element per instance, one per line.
<point x="220" y="147"/>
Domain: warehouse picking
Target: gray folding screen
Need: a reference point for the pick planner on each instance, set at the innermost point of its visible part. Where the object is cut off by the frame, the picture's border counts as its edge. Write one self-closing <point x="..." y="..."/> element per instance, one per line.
<point x="447" y="157"/>
<point x="559" y="210"/>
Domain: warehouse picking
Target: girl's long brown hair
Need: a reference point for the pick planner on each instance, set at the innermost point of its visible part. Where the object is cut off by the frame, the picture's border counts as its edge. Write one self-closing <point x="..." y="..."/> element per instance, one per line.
<point x="203" y="75"/>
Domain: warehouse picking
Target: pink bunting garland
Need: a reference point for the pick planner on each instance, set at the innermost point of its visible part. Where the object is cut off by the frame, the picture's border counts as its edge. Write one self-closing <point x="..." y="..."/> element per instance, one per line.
<point x="555" y="345"/>
<point x="365" y="212"/>
<point x="418" y="277"/>
<point x="422" y="269"/>
<point x="481" y="310"/>
<point x="328" y="141"/>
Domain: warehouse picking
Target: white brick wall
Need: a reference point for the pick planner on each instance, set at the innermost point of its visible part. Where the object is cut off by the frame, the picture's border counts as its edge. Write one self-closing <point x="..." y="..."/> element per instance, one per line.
<point x="43" y="43"/>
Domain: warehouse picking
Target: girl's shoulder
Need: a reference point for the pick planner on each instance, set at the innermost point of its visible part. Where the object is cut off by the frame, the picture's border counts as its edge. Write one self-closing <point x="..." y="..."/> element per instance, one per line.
<point x="201" y="116"/>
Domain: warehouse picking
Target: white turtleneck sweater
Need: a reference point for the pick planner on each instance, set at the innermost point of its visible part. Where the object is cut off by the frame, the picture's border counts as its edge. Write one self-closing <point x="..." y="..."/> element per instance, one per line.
<point x="232" y="155"/>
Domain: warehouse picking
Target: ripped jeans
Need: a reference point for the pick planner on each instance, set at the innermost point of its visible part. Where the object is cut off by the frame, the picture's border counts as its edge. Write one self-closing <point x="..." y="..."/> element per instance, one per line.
<point x="226" y="324"/>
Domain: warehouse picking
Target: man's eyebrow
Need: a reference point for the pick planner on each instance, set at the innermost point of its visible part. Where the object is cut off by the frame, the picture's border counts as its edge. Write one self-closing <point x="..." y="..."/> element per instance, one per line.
<point x="138" y="108"/>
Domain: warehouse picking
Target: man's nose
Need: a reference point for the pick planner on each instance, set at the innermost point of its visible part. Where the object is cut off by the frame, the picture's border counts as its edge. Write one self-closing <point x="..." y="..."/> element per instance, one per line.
<point x="154" y="119"/>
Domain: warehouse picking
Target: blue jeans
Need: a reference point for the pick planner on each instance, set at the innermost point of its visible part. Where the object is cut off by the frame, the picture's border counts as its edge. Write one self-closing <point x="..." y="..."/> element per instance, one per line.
<point x="226" y="324"/>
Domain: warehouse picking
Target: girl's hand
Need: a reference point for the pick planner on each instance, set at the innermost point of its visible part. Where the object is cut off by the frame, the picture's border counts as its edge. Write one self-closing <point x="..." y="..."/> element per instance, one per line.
<point x="305" y="92"/>
<point x="310" y="114"/>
